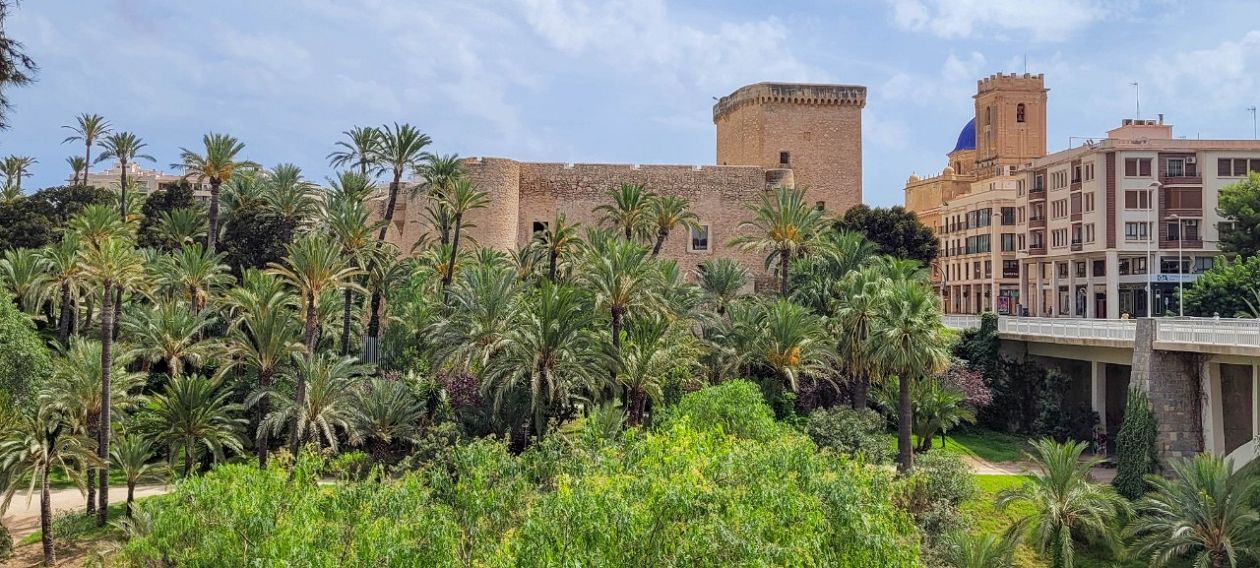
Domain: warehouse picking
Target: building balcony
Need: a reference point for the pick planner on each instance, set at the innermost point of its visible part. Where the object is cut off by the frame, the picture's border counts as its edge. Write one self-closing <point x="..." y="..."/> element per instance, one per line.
<point x="1076" y="245"/>
<point x="1076" y="216"/>
<point x="1038" y="223"/>
<point x="1172" y="244"/>
<point x="1181" y="180"/>
<point x="1076" y="185"/>
<point x="1037" y="250"/>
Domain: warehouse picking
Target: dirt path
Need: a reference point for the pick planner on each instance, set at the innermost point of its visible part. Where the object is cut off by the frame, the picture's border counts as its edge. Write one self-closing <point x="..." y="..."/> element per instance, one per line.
<point x="22" y="518"/>
<point x="982" y="467"/>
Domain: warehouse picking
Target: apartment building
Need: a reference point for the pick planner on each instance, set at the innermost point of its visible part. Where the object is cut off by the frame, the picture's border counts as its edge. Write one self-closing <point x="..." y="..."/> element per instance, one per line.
<point x="144" y="181"/>
<point x="1117" y="226"/>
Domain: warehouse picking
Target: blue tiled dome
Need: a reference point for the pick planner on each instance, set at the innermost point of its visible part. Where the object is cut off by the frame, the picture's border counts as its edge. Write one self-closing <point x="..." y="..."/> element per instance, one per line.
<point x="966" y="138"/>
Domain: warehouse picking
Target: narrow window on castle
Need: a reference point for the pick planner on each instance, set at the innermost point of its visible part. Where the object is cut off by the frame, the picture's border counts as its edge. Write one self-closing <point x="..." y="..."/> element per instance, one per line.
<point x="700" y="238"/>
<point x="1019" y="112"/>
<point x="820" y="205"/>
<point x="540" y="227"/>
<point x="785" y="158"/>
<point x="988" y="116"/>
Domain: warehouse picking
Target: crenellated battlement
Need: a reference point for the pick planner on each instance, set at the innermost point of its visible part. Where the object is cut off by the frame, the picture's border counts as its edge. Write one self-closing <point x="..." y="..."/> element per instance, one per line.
<point x="1011" y="81"/>
<point x="791" y="93"/>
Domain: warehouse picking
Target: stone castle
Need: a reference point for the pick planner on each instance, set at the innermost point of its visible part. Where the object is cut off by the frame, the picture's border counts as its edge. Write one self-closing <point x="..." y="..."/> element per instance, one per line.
<point x="768" y="135"/>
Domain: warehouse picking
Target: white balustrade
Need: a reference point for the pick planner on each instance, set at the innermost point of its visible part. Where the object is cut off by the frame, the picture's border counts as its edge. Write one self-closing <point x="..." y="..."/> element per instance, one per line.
<point x="1209" y="331"/>
<point x="1070" y="328"/>
<point x="960" y="321"/>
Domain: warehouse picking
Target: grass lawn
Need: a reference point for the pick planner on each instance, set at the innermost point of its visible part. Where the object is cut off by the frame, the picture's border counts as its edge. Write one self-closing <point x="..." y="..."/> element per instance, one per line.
<point x="74" y="526"/>
<point x="986" y="518"/>
<point x="995" y="447"/>
<point x="58" y="479"/>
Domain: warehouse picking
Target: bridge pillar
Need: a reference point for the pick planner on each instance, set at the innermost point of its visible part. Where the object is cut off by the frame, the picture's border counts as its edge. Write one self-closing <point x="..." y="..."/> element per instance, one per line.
<point x="1172" y="380"/>
<point x="1113" y="284"/>
<point x="1098" y="391"/>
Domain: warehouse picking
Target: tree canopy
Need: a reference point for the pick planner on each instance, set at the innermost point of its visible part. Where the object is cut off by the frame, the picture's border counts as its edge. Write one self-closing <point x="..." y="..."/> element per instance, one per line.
<point x="1240" y="204"/>
<point x="895" y="230"/>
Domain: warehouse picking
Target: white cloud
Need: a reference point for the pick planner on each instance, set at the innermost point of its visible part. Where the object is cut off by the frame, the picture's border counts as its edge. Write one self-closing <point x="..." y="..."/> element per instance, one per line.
<point x="1042" y="20"/>
<point x="950" y="88"/>
<point x="1225" y="74"/>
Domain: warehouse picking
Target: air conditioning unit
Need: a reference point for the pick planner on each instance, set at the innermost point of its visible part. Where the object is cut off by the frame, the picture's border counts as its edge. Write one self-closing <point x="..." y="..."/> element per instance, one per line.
<point x="1192" y="160"/>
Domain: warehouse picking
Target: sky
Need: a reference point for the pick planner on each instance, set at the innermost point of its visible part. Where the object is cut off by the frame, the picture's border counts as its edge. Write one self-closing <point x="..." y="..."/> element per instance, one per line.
<point x="623" y="81"/>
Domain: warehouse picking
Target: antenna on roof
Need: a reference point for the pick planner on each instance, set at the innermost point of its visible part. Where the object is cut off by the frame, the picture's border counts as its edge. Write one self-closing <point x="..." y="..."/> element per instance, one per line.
<point x="1025" y="62"/>
<point x="1137" y="98"/>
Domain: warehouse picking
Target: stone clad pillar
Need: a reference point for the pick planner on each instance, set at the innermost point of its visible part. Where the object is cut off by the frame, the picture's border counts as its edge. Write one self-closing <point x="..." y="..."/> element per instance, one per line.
<point x="1172" y="381"/>
<point x="1113" y="284"/>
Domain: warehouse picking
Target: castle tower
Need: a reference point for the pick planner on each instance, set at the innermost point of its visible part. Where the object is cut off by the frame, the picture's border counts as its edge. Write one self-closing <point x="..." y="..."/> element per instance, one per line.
<point x="1010" y="120"/>
<point x="815" y="130"/>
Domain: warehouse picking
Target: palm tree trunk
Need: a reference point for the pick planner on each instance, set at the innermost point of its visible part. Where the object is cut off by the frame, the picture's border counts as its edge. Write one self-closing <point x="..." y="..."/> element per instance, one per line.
<point x="299" y="398"/>
<point x="905" y="457"/>
<point x="131" y="496"/>
<point x="188" y="458"/>
<point x="212" y="236"/>
<point x="345" y="321"/>
<point x="661" y="235"/>
<point x="122" y="188"/>
<point x="389" y="205"/>
<point x="861" y="386"/>
<point x="551" y="270"/>
<point x="264" y="408"/>
<point x="87" y="158"/>
<point x="93" y="432"/>
<point x="637" y="404"/>
<point x="102" y="442"/>
<point x="450" y="266"/>
<point x="785" y="261"/>
<point x="45" y="519"/>
<point x="63" y="319"/>
<point x="616" y="313"/>
<point x="373" y="331"/>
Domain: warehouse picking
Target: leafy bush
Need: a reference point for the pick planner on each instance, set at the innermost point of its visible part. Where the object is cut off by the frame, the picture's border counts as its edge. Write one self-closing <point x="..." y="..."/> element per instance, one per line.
<point x="1058" y="417"/>
<point x="1135" y="446"/>
<point x="932" y="494"/>
<point x="850" y="432"/>
<point x="24" y="361"/>
<point x="737" y="407"/>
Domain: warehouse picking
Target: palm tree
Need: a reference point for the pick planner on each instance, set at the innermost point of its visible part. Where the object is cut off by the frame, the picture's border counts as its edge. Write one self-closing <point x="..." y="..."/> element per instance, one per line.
<point x="24" y="273"/>
<point x="131" y="454"/>
<point x="65" y="274"/>
<point x="630" y="211"/>
<point x="437" y="172"/>
<point x="361" y="151"/>
<point x="401" y="149"/>
<point x="198" y="272"/>
<point x="182" y="226"/>
<point x="1204" y="510"/>
<point x="97" y="224"/>
<point x="14" y="168"/>
<point x="78" y="168"/>
<point x="216" y="165"/>
<point x="460" y="198"/>
<point x="348" y="220"/>
<point x="550" y="357"/>
<point x="657" y="346"/>
<point x="75" y="390"/>
<point x="330" y="404"/>
<point x="381" y="268"/>
<point x="482" y="309"/>
<point x="194" y="412"/>
<point x="124" y="147"/>
<point x="387" y="412"/>
<point x="116" y="266"/>
<point x="669" y="213"/>
<point x="31" y="448"/>
<point x="560" y="240"/>
<point x="1065" y="503"/>
<point x="263" y="335"/>
<point x="722" y="280"/>
<point x="314" y="264"/>
<point x="169" y="332"/>
<point x="289" y="195"/>
<point x="793" y="341"/>
<point x="908" y="341"/>
<point x="988" y="550"/>
<point x="863" y="298"/>
<point x="89" y="129"/>
<point x="623" y="280"/>
<point x="783" y="226"/>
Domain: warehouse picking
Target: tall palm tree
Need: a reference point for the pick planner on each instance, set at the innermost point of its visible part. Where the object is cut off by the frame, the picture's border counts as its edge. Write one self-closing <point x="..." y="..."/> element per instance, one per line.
<point x="436" y="174"/>
<point x="289" y="195"/>
<point x="182" y="226"/>
<point x="723" y="281"/>
<point x="460" y="198"/>
<point x="116" y="266"/>
<point x="623" y="280"/>
<point x="560" y="240"/>
<point x="14" y="168"/>
<point x="215" y="165"/>
<point x="783" y="226"/>
<point x="169" y="332"/>
<point x="669" y="213"/>
<point x="329" y="407"/>
<point x="401" y="149"/>
<point x="37" y="443"/>
<point x="194" y="412"/>
<point x="263" y="335"/>
<point x="793" y="341"/>
<point x="24" y="273"/>
<point x="1204" y="510"/>
<point x="348" y="220"/>
<point x="361" y="151"/>
<point x="131" y="455"/>
<point x="381" y="268"/>
<point x="78" y="169"/>
<point x="862" y="299"/>
<point x="314" y="264"/>
<point x="75" y="390"/>
<point x="482" y="310"/>
<point x="387" y="412"/>
<point x="97" y="224"/>
<point x="124" y="147"/>
<point x="909" y="341"/>
<point x="550" y="357"/>
<point x="88" y="129"/>
<point x="630" y="211"/>
<point x="65" y="274"/>
<point x="198" y="272"/>
<point x="1065" y="503"/>
<point x="657" y="347"/>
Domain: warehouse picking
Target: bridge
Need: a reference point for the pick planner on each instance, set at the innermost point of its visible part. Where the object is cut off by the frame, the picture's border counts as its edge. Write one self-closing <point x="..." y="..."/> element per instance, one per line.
<point x="1202" y="374"/>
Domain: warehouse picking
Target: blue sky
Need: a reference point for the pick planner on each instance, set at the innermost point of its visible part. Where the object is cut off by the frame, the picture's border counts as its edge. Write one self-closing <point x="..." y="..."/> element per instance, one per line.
<point x="622" y="81"/>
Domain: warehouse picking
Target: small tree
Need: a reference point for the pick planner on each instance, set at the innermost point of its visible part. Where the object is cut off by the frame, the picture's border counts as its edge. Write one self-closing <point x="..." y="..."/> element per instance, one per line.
<point x="1135" y="446"/>
<point x="1240" y="203"/>
<point x="897" y="231"/>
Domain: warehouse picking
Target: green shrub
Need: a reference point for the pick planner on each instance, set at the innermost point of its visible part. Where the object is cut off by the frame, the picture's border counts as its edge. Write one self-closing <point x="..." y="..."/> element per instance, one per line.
<point x="1057" y="416"/>
<point x="6" y="544"/>
<point x="737" y="407"/>
<point x="936" y="489"/>
<point x="1135" y="446"/>
<point x="25" y="362"/>
<point x="851" y="432"/>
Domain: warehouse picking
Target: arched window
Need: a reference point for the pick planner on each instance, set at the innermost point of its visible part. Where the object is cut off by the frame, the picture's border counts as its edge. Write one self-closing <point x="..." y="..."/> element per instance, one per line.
<point x="1019" y="112"/>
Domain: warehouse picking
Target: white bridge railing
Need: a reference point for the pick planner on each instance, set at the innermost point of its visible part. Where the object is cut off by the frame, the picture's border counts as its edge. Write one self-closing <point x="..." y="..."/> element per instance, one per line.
<point x="960" y="321"/>
<point x="1209" y="331"/>
<point x="1070" y="328"/>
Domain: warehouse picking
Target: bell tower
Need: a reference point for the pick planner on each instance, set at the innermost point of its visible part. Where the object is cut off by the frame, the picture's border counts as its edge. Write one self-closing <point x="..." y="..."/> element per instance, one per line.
<point x="1010" y="120"/>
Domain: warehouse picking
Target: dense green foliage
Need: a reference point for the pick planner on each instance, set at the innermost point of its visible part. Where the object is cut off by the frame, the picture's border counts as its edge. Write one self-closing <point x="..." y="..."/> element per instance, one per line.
<point x="852" y="432"/>
<point x="1240" y="203"/>
<point x="25" y="363"/>
<point x="38" y="219"/>
<point x="1228" y="289"/>
<point x="685" y="495"/>
<point x="895" y="230"/>
<point x="1135" y="446"/>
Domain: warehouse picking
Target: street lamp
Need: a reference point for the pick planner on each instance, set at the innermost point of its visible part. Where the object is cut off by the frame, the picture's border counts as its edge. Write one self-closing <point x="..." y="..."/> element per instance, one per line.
<point x="1181" y="268"/>
<point x="1152" y="202"/>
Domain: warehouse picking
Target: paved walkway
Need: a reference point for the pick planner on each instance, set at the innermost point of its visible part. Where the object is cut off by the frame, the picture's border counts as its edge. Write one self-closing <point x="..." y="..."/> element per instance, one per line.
<point x="22" y="518"/>
<point x="982" y="467"/>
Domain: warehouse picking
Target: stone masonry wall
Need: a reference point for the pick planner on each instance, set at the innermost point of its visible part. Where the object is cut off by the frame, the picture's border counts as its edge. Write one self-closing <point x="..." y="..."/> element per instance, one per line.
<point x="1172" y="381"/>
